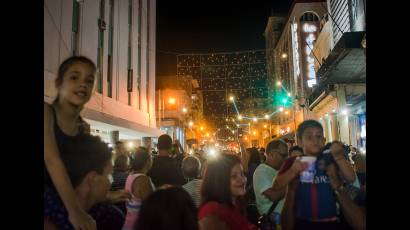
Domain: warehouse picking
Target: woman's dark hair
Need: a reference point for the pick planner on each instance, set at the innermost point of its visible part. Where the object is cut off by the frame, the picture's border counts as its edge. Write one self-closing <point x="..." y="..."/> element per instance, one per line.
<point x="62" y="69"/>
<point x="141" y="156"/>
<point x="255" y="157"/>
<point x="168" y="209"/>
<point x="216" y="185"/>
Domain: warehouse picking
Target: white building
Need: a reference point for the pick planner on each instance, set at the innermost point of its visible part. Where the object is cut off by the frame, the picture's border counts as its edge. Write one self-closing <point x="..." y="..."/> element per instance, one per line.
<point x="119" y="36"/>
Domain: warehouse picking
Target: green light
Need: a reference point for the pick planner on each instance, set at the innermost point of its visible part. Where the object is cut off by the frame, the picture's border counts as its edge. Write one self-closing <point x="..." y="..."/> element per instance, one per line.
<point x="284" y="101"/>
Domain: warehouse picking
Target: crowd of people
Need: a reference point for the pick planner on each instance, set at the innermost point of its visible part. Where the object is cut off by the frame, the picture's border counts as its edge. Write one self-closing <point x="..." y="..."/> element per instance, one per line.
<point x="311" y="185"/>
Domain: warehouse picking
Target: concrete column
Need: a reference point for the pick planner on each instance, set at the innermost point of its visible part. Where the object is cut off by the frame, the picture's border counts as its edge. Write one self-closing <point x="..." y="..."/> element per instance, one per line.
<point x="329" y="130"/>
<point x="335" y="127"/>
<point x="147" y="143"/>
<point x="342" y="118"/>
<point x="114" y="136"/>
<point x="326" y="128"/>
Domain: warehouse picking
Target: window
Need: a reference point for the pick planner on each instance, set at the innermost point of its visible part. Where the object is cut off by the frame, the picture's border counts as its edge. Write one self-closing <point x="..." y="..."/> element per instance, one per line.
<point x="147" y="56"/>
<point x="139" y="52"/>
<point x="75" y="27"/>
<point x="100" y="49"/>
<point x="130" y="72"/>
<point x="110" y="48"/>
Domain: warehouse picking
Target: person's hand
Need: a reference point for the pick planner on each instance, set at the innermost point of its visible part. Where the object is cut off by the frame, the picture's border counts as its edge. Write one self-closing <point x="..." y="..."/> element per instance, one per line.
<point x="165" y="186"/>
<point x="333" y="175"/>
<point x="336" y="149"/>
<point x="81" y="220"/>
<point x="118" y="196"/>
<point x="298" y="166"/>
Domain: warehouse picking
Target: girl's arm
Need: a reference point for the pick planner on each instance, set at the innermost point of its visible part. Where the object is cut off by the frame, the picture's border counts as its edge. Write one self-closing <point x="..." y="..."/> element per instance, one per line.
<point x="58" y="173"/>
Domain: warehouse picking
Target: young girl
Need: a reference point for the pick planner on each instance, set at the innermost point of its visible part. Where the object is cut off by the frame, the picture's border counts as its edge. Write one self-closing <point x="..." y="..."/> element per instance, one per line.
<point x="62" y="121"/>
<point x="222" y="188"/>
<point x="139" y="185"/>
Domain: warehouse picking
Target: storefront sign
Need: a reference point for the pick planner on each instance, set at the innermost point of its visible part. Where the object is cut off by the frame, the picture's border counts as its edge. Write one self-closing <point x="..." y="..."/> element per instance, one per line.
<point x="310" y="37"/>
<point x="295" y="42"/>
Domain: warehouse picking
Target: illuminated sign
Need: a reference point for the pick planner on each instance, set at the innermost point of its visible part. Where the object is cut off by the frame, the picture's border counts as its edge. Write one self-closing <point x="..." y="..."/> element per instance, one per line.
<point x="310" y="31"/>
<point x="294" y="28"/>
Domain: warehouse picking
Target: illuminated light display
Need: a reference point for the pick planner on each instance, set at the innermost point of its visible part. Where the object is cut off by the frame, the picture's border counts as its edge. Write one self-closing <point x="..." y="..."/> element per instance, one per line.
<point x="310" y="31"/>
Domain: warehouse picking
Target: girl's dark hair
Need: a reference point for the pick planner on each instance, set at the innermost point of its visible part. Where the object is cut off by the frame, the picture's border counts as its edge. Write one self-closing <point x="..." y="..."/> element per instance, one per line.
<point x="141" y="156"/>
<point x="62" y="69"/>
<point x="168" y="209"/>
<point x="254" y="156"/>
<point x="216" y="185"/>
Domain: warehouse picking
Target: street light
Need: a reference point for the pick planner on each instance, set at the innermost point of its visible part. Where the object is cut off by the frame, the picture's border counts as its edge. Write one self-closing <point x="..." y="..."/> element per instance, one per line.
<point x="266" y="116"/>
<point x="265" y="126"/>
<point x="284" y="101"/>
<point x="201" y="128"/>
<point x="231" y="98"/>
<point x="284" y="55"/>
<point x="254" y="133"/>
<point x="287" y="112"/>
<point x="289" y="95"/>
<point x="184" y="110"/>
<point x="281" y="109"/>
<point x="239" y="117"/>
<point x="191" y="123"/>
<point x="255" y="119"/>
<point x="278" y="83"/>
<point x="171" y="101"/>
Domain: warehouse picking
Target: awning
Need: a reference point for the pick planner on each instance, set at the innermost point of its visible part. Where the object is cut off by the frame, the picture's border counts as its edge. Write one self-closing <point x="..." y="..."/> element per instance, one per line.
<point x="346" y="64"/>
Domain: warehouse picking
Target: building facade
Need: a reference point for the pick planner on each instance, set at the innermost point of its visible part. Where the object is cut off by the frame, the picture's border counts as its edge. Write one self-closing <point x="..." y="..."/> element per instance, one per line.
<point x="119" y="36"/>
<point x="291" y="63"/>
<point x="339" y="100"/>
<point x="180" y="108"/>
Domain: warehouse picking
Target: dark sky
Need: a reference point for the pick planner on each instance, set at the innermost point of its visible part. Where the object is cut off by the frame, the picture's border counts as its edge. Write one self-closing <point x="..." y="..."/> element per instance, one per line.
<point x="210" y="26"/>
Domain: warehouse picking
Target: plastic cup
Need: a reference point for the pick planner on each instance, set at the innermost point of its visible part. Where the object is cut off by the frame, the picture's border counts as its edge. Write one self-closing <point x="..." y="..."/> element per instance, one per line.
<point x="308" y="174"/>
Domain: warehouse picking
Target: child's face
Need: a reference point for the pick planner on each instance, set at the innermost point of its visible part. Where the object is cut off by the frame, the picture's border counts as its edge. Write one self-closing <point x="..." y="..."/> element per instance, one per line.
<point x="238" y="181"/>
<point x="312" y="141"/>
<point x="77" y="84"/>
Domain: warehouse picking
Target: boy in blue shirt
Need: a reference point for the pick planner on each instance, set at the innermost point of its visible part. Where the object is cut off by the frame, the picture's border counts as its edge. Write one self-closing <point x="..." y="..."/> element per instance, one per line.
<point x="312" y="205"/>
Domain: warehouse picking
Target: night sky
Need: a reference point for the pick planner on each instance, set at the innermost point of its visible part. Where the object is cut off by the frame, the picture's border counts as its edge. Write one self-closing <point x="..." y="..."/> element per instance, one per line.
<point x="210" y="26"/>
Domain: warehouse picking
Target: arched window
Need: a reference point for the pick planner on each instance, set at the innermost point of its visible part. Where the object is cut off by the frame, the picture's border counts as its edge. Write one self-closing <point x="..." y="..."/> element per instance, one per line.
<point x="309" y="17"/>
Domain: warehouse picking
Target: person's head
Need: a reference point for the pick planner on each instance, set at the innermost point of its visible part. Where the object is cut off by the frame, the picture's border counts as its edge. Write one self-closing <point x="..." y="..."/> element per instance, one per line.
<point x="353" y="149"/>
<point x="276" y="153"/>
<point x="295" y="151"/>
<point x="223" y="180"/>
<point x="75" y="80"/>
<point x="168" y="209"/>
<point x="310" y="137"/>
<point x="164" y="143"/>
<point x="120" y="148"/>
<point x="142" y="161"/>
<point x="191" y="167"/>
<point x="88" y="163"/>
<point x="254" y="156"/>
<point x="121" y="163"/>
